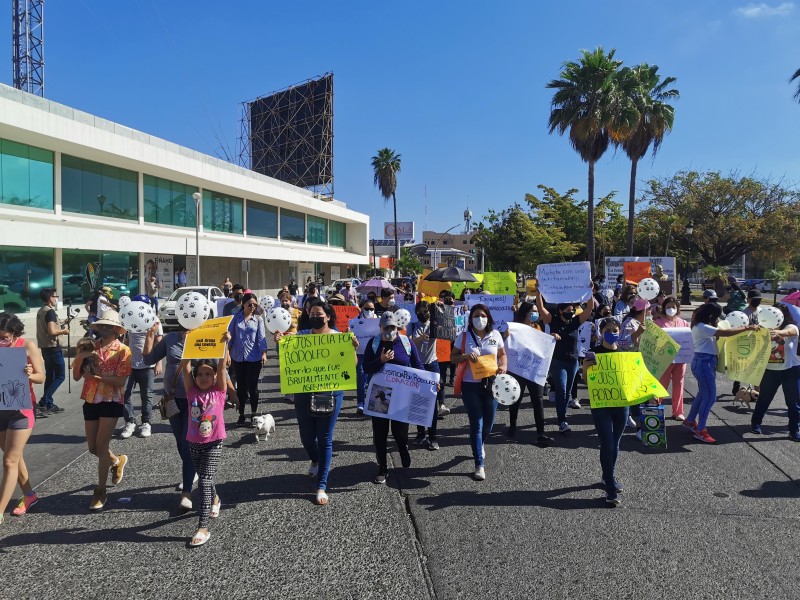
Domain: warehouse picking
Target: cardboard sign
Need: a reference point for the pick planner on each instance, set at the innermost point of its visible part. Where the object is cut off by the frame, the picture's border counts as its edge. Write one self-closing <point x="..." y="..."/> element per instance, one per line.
<point x="443" y="351"/>
<point x="658" y="349"/>
<point x="614" y="267"/>
<point x="747" y="354"/>
<point x="345" y="313"/>
<point x="501" y="308"/>
<point x="15" y="389"/>
<point x="431" y="288"/>
<point x="636" y="271"/>
<point x="364" y="330"/>
<point x="317" y="362"/>
<point x="449" y="321"/>
<point x="621" y="379"/>
<point x="565" y="282"/>
<point x="402" y="394"/>
<point x="485" y="366"/>
<point x="531" y="287"/>
<point x="529" y="352"/>
<point x="207" y="341"/>
<point x="500" y="283"/>
<point x="683" y="337"/>
<point x="584" y="342"/>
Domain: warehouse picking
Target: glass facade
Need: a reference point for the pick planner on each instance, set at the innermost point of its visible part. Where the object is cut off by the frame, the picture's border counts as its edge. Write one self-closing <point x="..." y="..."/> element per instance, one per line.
<point x="222" y="213"/>
<point x="118" y="270"/>
<point x="168" y="202"/>
<point x="26" y="175"/>
<point x="338" y="234"/>
<point x="317" y="230"/>
<point x="92" y="188"/>
<point x="293" y="226"/>
<point x="24" y="272"/>
<point x="262" y="220"/>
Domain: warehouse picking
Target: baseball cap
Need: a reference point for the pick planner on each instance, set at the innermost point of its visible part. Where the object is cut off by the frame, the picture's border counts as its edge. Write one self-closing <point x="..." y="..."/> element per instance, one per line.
<point x="754" y="293"/>
<point x="389" y="319"/>
<point x="710" y="295"/>
<point x="640" y="304"/>
<point x="141" y="298"/>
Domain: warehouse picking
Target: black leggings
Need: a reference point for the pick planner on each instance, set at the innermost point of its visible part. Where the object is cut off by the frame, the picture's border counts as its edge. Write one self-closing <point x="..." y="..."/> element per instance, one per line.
<point x="536" y="392"/>
<point x="247" y="374"/>
<point x="205" y="458"/>
<point x="380" y="435"/>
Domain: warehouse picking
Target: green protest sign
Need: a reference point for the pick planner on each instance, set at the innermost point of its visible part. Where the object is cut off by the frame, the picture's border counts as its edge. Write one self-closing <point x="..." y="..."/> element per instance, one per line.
<point x="323" y="362"/>
<point x="658" y="349"/>
<point x="503" y="283"/>
<point x="621" y="379"/>
<point x="747" y="354"/>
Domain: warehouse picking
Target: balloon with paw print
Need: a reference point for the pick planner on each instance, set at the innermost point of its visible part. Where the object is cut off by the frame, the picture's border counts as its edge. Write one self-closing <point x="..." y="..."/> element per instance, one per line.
<point x="192" y="310"/>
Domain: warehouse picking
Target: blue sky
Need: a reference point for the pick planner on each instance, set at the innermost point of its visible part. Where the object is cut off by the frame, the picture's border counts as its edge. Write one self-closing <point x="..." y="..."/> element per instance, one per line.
<point x="457" y="88"/>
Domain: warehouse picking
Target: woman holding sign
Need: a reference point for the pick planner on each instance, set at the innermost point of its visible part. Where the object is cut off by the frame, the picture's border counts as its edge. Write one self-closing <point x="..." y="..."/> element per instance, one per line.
<point x="480" y="339"/>
<point x="16" y="425"/>
<point x="676" y="372"/>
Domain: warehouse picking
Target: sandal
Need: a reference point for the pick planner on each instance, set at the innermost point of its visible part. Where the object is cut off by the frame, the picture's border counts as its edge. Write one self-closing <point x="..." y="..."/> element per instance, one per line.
<point x="215" y="508"/>
<point x="322" y="498"/>
<point x="199" y="539"/>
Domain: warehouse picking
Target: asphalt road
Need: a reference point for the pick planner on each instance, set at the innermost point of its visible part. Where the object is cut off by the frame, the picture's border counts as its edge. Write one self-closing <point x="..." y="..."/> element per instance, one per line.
<point x="696" y="521"/>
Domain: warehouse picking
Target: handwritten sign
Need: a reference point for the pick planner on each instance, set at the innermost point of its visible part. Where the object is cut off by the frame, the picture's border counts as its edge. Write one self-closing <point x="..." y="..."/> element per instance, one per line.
<point x="15" y="390"/>
<point x="531" y="287"/>
<point x="504" y="282"/>
<point x="565" y="282"/>
<point x="443" y="351"/>
<point x="501" y="307"/>
<point x="658" y="349"/>
<point x="317" y="362"/>
<point x="345" y="313"/>
<point x="402" y="394"/>
<point x="621" y="379"/>
<point x="747" y="354"/>
<point x="207" y="340"/>
<point x="449" y="321"/>
<point x="683" y="336"/>
<point x="529" y="352"/>
<point x="585" y="332"/>
<point x="485" y="366"/>
<point x="636" y="271"/>
<point x="614" y="266"/>
<point x="364" y="330"/>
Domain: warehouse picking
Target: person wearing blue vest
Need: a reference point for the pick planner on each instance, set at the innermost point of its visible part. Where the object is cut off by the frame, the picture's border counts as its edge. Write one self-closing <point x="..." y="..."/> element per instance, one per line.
<point x="390" y="347"/>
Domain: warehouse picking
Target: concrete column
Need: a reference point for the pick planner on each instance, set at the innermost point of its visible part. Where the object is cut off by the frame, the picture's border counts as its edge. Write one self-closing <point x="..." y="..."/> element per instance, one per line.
<point x="141" y="198"/>
<point x="58" y="273"/>
<point x="57" y="185"/>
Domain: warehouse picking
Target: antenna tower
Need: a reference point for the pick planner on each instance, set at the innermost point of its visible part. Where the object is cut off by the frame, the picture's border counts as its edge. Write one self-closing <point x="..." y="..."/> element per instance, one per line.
<point x="28" y="32"/>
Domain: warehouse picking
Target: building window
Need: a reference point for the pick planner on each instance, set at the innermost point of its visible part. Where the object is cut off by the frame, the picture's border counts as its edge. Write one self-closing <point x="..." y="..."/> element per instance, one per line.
<point x="317" y="230"/>
<point x="464" y="242"/>
<point x="262" y="220"/>
<point x="222" y="213"/>
<point x="24" y="272"/>
<point x="91" y="188"/>
<point x="26" y="175"/>
<point x="168" y="202"/>
<point x="117" y="270"/>
<point x="293" y="226"/>
<point x="338" y="234"/>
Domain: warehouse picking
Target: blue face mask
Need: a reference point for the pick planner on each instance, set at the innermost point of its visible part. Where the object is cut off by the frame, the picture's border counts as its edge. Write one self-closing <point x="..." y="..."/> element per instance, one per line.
<point x="533" y="317"/>
<point x="610" y="338"/>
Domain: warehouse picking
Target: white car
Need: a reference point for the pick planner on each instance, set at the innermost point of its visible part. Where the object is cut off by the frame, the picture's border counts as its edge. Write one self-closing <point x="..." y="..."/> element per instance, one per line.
<point x="331" y="289"/>
<point x="166" y="309"/>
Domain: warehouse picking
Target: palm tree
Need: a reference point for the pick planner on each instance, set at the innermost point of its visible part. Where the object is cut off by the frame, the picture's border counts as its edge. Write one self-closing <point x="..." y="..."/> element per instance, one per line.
<point x="586" y="104"/>
<point x="655" y="118"/>
<point x="796" y="76"/>
<point x="386" y="166"/>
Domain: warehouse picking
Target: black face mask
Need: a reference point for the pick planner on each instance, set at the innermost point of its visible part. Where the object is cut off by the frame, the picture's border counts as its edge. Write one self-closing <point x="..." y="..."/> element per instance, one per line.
<point x="755" y="302"/>
<point x="423" y="316"/>
<point x="448" y="301"/>
<point x="316" y="322"/>
<point x="238" y="297"/>
<point x="567" y="315"/>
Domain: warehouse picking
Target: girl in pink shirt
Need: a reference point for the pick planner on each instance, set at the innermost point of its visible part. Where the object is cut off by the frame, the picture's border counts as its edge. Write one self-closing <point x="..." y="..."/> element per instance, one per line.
<point x="675" y="372"/>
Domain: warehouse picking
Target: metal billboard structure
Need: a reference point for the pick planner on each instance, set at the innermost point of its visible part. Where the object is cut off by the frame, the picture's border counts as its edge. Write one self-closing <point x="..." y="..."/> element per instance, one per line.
<point x="28" y="25"/>
<point x="288" y="135"/>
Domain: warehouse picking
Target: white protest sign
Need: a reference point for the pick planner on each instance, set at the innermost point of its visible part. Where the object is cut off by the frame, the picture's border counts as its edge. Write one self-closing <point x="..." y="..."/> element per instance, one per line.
<point x="501" y="307"/>
<point x="529" y="352"/>
<point x="585" y="338"/>
<point x="15" y="389"/>
<point x="402" y="394"/>
<point x="682" y="335"/>
<point x="565" y="282"/>
<point x="364" y="330"/>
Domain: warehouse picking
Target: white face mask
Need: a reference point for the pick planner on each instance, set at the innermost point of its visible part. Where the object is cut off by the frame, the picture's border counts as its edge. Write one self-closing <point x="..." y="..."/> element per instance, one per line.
<point x="392" y="301"/>
<point x="369" y="314"/>
<point x="479" y="323"/>
<point x="671" y="312"/>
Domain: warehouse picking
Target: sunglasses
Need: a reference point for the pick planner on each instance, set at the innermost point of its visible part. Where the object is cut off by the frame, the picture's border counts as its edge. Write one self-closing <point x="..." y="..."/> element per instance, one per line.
<point x="251" y="304"/>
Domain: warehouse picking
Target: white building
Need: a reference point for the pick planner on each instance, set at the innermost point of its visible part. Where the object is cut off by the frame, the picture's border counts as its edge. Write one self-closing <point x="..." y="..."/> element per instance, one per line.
<point x="78" y="190"/>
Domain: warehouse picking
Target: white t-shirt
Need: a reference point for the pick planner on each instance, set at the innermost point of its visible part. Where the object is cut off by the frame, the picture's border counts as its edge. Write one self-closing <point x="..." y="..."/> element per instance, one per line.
<point x="704" y="338"/>
<point x="783" y="354"/>
<point x="488" y="344"/>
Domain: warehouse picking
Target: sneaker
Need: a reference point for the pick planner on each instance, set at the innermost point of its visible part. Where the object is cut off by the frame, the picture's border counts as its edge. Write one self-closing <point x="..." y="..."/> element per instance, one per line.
<point x="360" y="408"/>
<point x="405" y="457"/>
<point x="703" y="436"/>
<point x="756" y="428"/>
<point x="179" y="487"/>
<point x="480" y="474"/>
<point x="563" y="427"/>
<point x="433" y="444"/>
<point x="313" y="469"/>
<point x="574" y="403"/>
<point x="443" y="410"/>
<point x="54" y="409"/>
<point x="380" y="478"/>
<point x="118" y="470"/>
<point x="612" y="499"/>
<point x="544" y="440"/>
<point x="127" y="431"/>
<point x="240" y="420"/>
<point x="617" y="485"/>
<point x="41" y="413"/>
<point x="25" y="505"/>
<point x="631" y="422"/>
<point x="98" y="499"/>
<point x="144" y="430"/>
<point x="692" y="425"/>
<point x="678" y="417"/>
<point x="420" y="439"/>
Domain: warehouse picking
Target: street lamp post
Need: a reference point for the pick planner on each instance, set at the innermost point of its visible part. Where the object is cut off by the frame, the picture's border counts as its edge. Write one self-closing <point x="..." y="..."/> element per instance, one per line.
<point x="436" y="247"/>
<point x="197" y="198"/>
<point x="686" y="292"/>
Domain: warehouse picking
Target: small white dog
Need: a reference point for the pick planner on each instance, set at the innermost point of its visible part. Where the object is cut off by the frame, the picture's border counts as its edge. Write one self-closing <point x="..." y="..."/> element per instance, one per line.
<point x="264" y="425"/>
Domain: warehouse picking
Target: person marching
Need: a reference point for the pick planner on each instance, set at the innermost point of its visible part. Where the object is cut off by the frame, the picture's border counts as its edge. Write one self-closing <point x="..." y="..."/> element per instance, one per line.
<point x="420" y="332"/>
<point x="367" y="312"/>
<point x="248" y="347"/>
<point x="48" y="331"/>
<point x="676" y="372"/>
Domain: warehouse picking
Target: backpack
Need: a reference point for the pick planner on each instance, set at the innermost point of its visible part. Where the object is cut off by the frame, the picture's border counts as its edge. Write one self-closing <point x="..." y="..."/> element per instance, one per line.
<point x="376" y="342"/>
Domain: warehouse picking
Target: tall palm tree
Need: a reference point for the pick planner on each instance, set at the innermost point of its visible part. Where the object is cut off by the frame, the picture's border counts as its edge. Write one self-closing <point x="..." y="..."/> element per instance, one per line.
<point x="386" y="166"/>
<point x="586" y="104"/>
<point x="655" y="118"/>
<point x="796" y="76"/>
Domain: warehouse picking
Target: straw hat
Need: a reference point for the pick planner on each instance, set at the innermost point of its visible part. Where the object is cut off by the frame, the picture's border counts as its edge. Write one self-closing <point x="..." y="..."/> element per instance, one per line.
<point x="110" y="317"/>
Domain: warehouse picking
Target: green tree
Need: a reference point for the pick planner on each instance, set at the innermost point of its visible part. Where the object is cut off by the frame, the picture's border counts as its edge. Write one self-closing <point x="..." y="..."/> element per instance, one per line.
<point x="385" y="167"/>
<point x="408" y="264"/>
<point x="586" y="103"/>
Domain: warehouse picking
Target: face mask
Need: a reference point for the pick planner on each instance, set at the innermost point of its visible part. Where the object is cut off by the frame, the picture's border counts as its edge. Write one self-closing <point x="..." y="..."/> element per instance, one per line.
<point x="568" y="315"/>
<point x="448" y="301"/>
<point x="480" y="323"/>
<point x="286" y="306"/>
<point x="369" y="314"/>
<point x="423" y="316"/>
<point x="238" y="297"/>
<point x="389" y="334"/>
<point x="671" y="312"/>
<point x="6" y="343"/>
<point x="316" y="322"/>
<point x="391" y="301"/>
<point x="533" y="317"/>
<point x="755" y="301"/>
<point x="610" y="338"/>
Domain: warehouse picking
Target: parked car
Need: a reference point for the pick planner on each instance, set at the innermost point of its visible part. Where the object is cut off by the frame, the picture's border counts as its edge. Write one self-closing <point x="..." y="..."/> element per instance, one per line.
<point x="784" y="287"/>
<point x="10" y="301"/>
<point x="764" y="286"/>
<point x="331" y="289"/>
<point x="749" y="284"/>
<point x="166" y="310"/>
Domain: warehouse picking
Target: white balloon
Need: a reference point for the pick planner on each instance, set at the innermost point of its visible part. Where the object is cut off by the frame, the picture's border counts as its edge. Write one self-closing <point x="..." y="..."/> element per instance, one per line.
<point x="649" y="288"/>
<point x="124" y="301"/>
<point x="738" y="319"/>
<point x="770" y="317"/>
<point x="192" y="310"/>
<point x="267" y="303"/>
<point x="505" y="389"/>
<point x="137" y="317"/>
<point x="403" y="318"/>
<point x="278" y="319"/>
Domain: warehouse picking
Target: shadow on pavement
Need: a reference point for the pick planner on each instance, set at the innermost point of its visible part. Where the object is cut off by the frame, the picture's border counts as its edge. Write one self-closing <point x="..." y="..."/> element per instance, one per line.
<point x="775" y="489"/>
<point x="544" y="498"/>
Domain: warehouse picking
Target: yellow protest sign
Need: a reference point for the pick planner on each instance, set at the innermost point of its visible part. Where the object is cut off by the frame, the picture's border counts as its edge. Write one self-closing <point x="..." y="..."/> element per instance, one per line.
<point x="486" y="366"/>
<point x="621" y="379"/>
<point x="431" y="288"/>
<point x="531" y="287"/>
<point x="658" y="349"/>
<point x="207" y="341"/>
<point x="474" y="285"/>
<point x="747" y="354"/>
<point x="721" y="360"/>
<point x="317" y="362"/>
<point x="503" y="283"/>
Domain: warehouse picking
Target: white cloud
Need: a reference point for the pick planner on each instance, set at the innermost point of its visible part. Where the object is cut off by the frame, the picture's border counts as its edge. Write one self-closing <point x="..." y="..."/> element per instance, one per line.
<point x="763" y="10"/>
